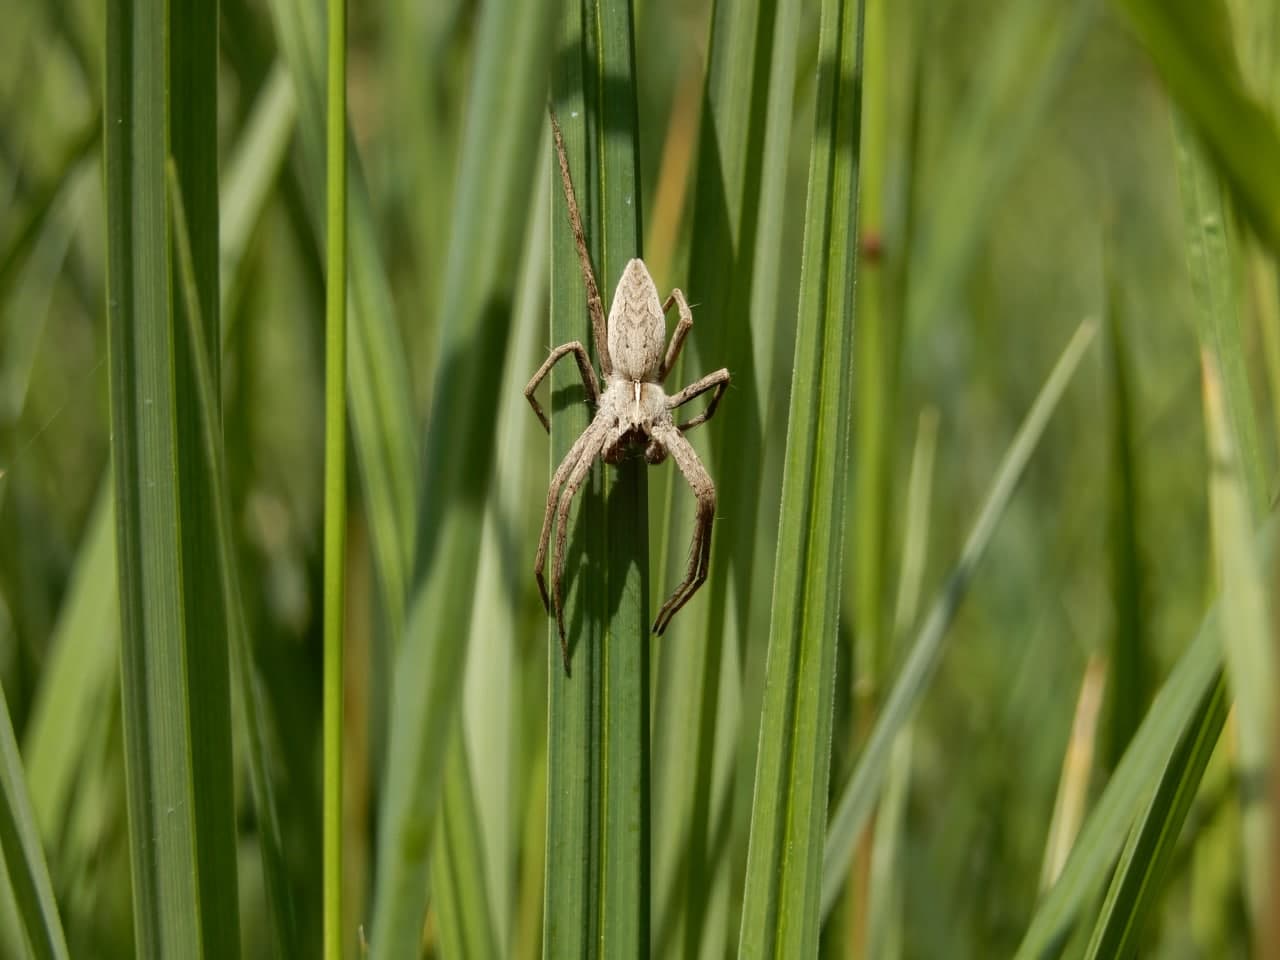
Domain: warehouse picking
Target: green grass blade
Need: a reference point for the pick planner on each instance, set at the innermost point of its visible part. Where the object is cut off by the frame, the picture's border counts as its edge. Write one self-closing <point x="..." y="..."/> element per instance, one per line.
<point x="1175" y="710"/>
<point x="1247" y="635"/>
<point x="504" y="118"/>
<point x="733" y="278"/>
<point x="335" y="468"/>
<point x="1136" y="884"/>
<point x="572" y="888"/>
<point x="1190" y="43"/>
<point x="174" y="653"/>
<point x="780" y="913"/>
<point x="597" y="872"/>
<point x="249" y="702"/>
<point x="458" y="866"/>
<point x="1211" y="264"/>
<point x="22" y="854"/>
<point x="857" y="799"/>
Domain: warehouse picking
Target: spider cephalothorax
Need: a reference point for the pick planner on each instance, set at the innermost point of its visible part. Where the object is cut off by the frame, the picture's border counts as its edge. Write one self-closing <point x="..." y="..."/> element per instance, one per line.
<point x="633" y="410"/>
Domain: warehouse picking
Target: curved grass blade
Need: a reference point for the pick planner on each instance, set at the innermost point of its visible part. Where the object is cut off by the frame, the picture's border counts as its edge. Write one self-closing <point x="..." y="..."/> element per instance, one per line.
<point x="22" y="854"/>
<point x="1189" y="41"/>
<point x="509" y="76"/>
<point x="174" y="655"/>
<point x="858" y="797"/>
<point x="1175" y="710"/>
<point x="780" y="913"/>
<point x="1136" y="884"/>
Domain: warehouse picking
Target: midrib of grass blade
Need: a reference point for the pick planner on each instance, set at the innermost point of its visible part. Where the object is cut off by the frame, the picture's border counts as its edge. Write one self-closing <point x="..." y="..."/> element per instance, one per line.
<point x="504" y="117"/>
<point x="1189" y="42"/>
<point x="1174" y="712"/>
<point x="857" y="798"/>
<point x="733" y="277"/>
<point x="23" y="857"/>
<point x="249" y="703"/>
<point x="781" y="909"/>
<point x="174" y="658"/>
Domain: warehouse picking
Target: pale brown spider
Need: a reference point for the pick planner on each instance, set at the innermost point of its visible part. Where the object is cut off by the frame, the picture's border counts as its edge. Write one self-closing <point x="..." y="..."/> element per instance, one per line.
<point x="632" y="410"/>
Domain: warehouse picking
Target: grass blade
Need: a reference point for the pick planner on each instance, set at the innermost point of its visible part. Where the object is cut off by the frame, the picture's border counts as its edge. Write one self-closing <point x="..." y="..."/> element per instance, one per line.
<point x="249" y="702"/>
<point x="174" y="656"/>
<point x="335" y="467"/>
<point x="597" y="888"/>
<point x="22" y="854"/>
<point x="780" y="914"/>
<point x="508" y="82"/>
<point x="857" y="799"/>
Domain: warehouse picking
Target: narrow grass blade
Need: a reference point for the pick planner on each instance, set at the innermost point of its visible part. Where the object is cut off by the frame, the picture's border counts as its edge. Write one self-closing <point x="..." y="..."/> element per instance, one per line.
<point x="335" y="467"/>
<point x="1137" y="882"/>
<point x="250" y="699"/>
<point x="508" y="82"/>
<point x="780" y="913"/>
<point x="1175" y="710"/>
<point x="22" y="854"/>
<point x="458" y="866"/>
<point x="174" y="654"/>
<point x="1211" y="264"/>
<point x="857" y="798"/>
<point x="1190" y="43"/>
<point x="1247" y="637"/>
<point x="571" y="911"/>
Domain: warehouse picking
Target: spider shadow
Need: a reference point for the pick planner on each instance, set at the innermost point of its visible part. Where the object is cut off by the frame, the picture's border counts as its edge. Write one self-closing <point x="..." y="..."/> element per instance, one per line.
<point x="593" y="589"/>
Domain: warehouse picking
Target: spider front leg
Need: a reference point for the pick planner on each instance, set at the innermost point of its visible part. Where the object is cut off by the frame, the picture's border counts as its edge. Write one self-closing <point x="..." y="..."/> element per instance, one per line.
<point x="704" y="489"/>
<point x="586" y="457"/>
<point x="584" y="367"/>
<point x="719" y="380"/>
<point x="681" y="331"/>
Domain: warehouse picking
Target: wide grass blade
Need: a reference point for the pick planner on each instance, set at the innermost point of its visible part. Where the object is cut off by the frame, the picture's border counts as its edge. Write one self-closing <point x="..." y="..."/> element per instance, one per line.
<point x="858" y="797"/>
<point x="249" y="703"/>
<point x="22" y="855"/>
<point x="780" y="913"/>
<point x="1190" y="43"/>
<point x="174" y="655"/>
<point x="597" y="888"/>
<point x="504" y="117"/>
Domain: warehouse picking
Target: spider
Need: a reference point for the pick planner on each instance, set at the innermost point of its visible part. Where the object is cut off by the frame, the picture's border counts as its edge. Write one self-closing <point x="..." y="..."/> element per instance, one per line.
<point x="633" y="409"/>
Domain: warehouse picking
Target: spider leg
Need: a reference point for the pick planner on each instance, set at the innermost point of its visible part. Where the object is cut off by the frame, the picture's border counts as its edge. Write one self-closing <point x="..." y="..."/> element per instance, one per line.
<point x="586" y="457"/>
<point x="553" y="499"/>
<point x="595" y="306"/>
<point x="704" y="489"/>
<point x="584" y="367"/>
<point x="719" y="380"/>
<point x="681" y="331"/>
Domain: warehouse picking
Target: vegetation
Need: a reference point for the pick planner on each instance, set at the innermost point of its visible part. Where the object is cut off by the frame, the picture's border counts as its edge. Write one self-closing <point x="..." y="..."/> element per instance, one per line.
<point x="985" y="663"/>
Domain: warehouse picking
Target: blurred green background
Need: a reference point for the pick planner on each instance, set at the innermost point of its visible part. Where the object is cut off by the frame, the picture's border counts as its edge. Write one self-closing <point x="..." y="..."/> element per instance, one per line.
<point x="1020" y="174"/>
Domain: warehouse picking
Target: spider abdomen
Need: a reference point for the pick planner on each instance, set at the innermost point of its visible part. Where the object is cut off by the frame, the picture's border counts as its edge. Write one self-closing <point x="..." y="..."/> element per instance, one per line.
<point x="637" y="332"/>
